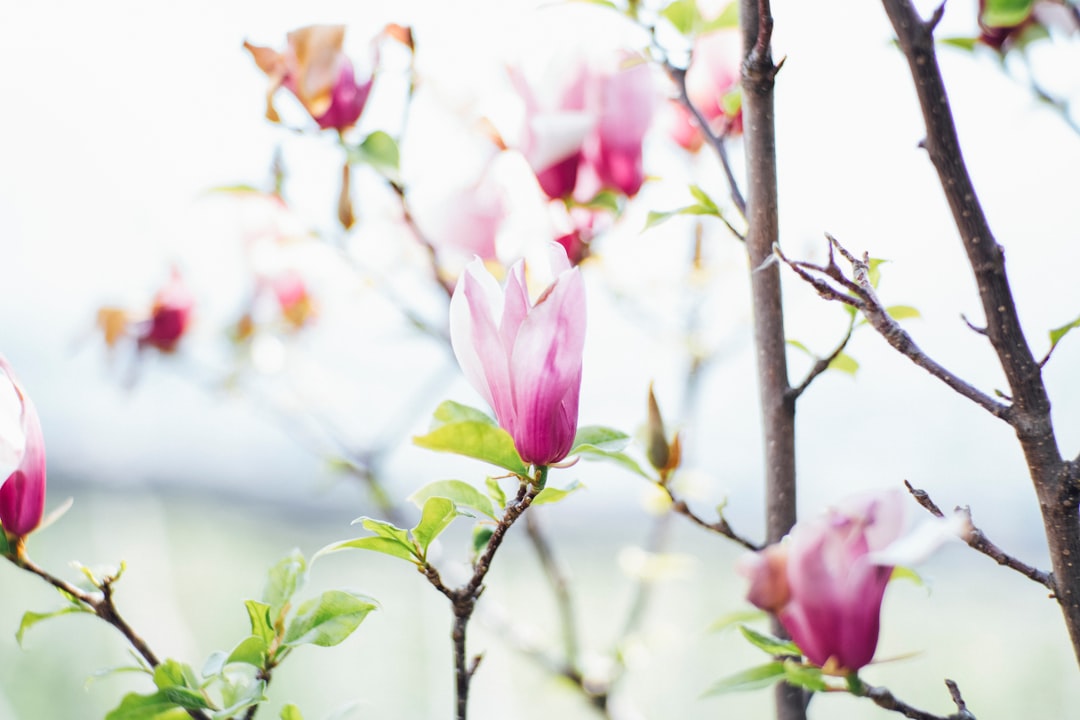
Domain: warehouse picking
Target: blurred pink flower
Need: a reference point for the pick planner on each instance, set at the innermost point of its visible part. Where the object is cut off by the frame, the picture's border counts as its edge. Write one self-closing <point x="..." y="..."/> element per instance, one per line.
<point x="22" y="495"/>
<point x="827" y="581"/>
<point x="713" y="75"/>
<point x="316" y="70"/>
<point x="169" y="316"/>
<point x="588" y="135"/>
<point x="524" y="359"/>
<point x="293" y="298"/>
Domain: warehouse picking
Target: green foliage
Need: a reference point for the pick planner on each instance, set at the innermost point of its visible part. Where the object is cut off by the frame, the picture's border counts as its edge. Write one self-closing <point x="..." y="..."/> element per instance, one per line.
<point x="286" y="577"/>
<point x="147" y="707"/>
<point x="30" y="619"/>
<point x="380" y="151"/>
<point x="769" y="643"/>
<point x="685" y="17"/>
<point x="495" y="491"/>
<point x="1058" y="333"/>
<point x="481" y="536"/>
<point x="903" y="312"/>
<point x="251" y="650"/>
<point x="963" y="43"/>
<point x="705" y="205"/>
<point x="437" y="514"/>
<point x="595" y="442"/>
<point x="844" y="363"/>
<point x="1006" y="13"/>
<point x="261" y="624"/>
<point x="807" y="676"/>
<point x="476" y="439"/>
<point x="452" y="412"/>
<point x="753" y="679"/>
<point x="553" y="495"/>
<point x="736" y="618"/>
<point x="291" y="712"/>
<point x="461" y="493"/>
<point x="328" y="619"/>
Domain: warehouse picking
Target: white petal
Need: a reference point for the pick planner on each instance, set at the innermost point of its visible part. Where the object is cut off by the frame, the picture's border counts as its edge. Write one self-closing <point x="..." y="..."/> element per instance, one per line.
<point x="924" y="540"/>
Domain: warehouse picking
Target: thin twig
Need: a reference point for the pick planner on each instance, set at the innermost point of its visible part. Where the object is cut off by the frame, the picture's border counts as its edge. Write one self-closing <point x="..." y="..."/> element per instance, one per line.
<point x="977" y="539"/>
<point x="822" y="364"/>
<point x="884" y="698"/>
<point x="720" y="526"/>
<point x="866" y="301"/>
<point x="101" y="605"/>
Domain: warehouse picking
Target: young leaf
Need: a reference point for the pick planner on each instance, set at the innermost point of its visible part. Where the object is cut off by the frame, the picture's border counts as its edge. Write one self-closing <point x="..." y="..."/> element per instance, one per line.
<point x="1057" y="333"/>
<point x="147" y="707"/>
<point x="383" y="545"/>
<point x="380" y="151"/>
<point x="451" y="412"/>
<point x="385" y="529"/>
<point x="704" y="200"/>
<point x="215" y="663"/>
<point x="845" y="363"/>
<point x="286" y="577"/>
<point x="903" y="312"/>
<point x="291" y="712"/>
<point x="963" y="43"/>
<point x="736" y="618"/>
<point x="600" y="438"/>
<point x="806" y="676"/>
<point x="251" y="650"/>
<point x="768" y="643"/>
<point x="462" y="493"/>
<point x="480" y="537"/>
<point x="328" y="619"/>
<point x="261" y="623"/>
<point x="553" y="494"/>
<point x="478" y="440"/>
<point x="30" y="619"/>
<point x="5" y="547"/>
<point x="683" y="15"/>
<point x="437" y="514"/>
<point x="752" y="679"/>
<point x="495" y="491"/>
<point x="1006" y="13"/>
<point x="588" y="452"/>
<point x="799" y="346"/>
<point x="179" y="684"/>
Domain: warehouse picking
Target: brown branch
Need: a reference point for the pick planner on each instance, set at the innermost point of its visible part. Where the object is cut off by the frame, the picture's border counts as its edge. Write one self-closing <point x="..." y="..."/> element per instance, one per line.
<point x="1056" y="481"/>
<point x="678" y="76"/>
<point x="720" y="527"/>
<point x="867" y="302"/>
<point x="822" y="364"/>
<point x="884" y="698"/>
<point x="977" y="540"/>
<point x="101" y="605"/>
<point x="463" y="599"/>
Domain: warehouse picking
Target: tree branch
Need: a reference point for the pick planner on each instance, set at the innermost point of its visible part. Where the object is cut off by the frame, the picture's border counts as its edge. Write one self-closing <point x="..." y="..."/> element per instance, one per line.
<point x="977" y="539"/>
<point x="822" y="364"/>
<point x="884" y="698"/>
<point x="1057" y="482"/>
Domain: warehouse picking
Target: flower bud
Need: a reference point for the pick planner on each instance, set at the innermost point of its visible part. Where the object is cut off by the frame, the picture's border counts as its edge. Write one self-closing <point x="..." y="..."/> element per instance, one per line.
<point x="22" y="495"/>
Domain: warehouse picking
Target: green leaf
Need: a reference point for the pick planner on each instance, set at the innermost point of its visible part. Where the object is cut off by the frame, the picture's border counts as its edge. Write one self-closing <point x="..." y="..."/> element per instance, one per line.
<point x="845" y="363"/>
<point x="654" y="218"/>
<point x="809" y="677"/>
<point x="286" y="577"/>
<point x="683" y="15"/>
<point x="5" y="547"/>
<point x="553" y="495"/>
<point x="753" y="679"/>
<point x="1006" y="13"/>
<point x="239" y="189"/>
<point x="728" y="18"/>
<point x="179" y="684"/>
<point x="731" y="101"/>
<point x="799" y="346"/>
<point x="106" y="672"/>
<point x="462" y="493"/>
<point x="261" y="624"/>
<point x="147" y="707"/>
<point x="963" y="43"/>
<point x="30" y="619"/>
<point x="588" y="452"/>
<point x="251" y="650"/>
<point x="452" y="412"/>
<point x="385" y="529"/>
<point x="1058" y="333"/>
<point x="291" y="712"/>
<point x="495" y="491"/>
<point x="903" y="312"/>
<point x="703" y="199"/>
<point x="383" y="545"/>
<point x="600" y="438"/>
<point x="603" y="200"/>
<point x="214" y="664"/>
<point x="874" y="270"/>
<point x="480" y="537"/>
<point x="476" y="440"/>
<point x="437" y="514"/>
<point x="380" y="151"/>
<point x="240" y="691"/>
<point x="736" y="618"/>
<point x="769" y="643"/>
<point x="328" y="619"/>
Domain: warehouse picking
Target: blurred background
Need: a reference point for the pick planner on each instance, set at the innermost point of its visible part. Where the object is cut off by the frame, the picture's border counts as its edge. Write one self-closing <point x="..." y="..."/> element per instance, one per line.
<point x="128" y="129"/>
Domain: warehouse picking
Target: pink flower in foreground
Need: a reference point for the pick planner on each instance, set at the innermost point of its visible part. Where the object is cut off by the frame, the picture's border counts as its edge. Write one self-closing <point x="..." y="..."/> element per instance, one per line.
<point x="524" y="359"/>
<point x="587" y="135"/>
<point x="712" y="77"/>
<point x="169" y="316"/>
<point x="827" y="581"/>
<point x="22" y="495"/>
<point x="316" y="70"/>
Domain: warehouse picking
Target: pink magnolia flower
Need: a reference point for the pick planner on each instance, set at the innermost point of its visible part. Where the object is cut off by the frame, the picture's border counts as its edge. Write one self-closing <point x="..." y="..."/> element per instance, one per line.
<point x="524" y="358"/>
<point x="316" y="70"/>
<point x="827" y="581"/>
<point x="587" y="134"/>
<point x="169" y="316"/>
<point x="293" y="298"/>
<point x="713" y="75"/>
<point x="22" y="445"/>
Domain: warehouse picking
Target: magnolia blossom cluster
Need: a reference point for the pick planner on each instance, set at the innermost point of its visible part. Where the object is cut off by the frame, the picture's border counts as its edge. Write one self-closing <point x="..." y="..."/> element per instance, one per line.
<point x="584" y="132"/>
<point x="524" y="358"/>
<point x="22" y="447"/>
<point x="826" y="582"/>
<point x="315" y="69"/>
<point x="712" y="84"/>
<point x="162" y="327"/>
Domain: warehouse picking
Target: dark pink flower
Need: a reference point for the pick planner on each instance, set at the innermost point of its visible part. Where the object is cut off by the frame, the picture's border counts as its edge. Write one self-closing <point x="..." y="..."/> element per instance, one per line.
<point x="169" y="316"/>
<point x="316" y="70"/>
<point x="524" y="359"/>
<point x="22" y="495"/>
